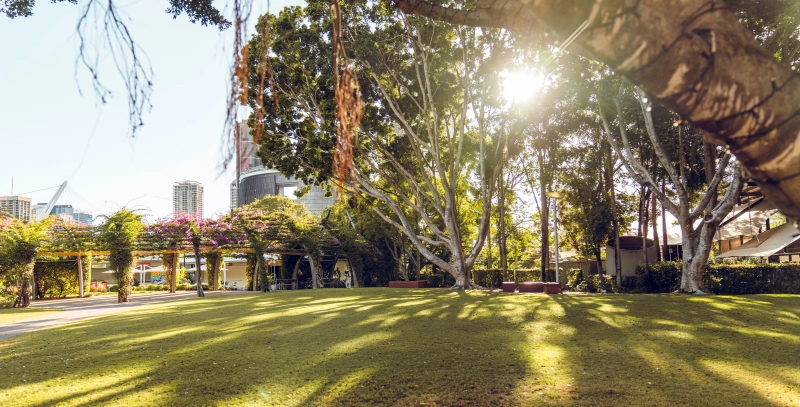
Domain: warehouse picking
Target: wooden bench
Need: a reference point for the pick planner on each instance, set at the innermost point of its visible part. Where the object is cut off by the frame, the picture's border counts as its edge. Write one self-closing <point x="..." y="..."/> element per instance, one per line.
<point x="509" y="286"/>
<point x="282" y="283"/>
<point x="330" y="282"/>
<point x="408" y="284"/>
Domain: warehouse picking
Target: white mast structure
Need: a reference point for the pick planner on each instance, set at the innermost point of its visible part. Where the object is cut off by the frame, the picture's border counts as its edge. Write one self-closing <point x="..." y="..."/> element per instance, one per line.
<point x="46" y="211"/>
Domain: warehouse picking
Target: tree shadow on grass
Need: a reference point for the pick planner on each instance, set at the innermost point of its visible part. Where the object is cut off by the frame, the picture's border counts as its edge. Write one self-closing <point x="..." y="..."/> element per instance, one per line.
<point x="409" y="347"/>
<point x="680" y="350"/>
<point x="355" y="347"/>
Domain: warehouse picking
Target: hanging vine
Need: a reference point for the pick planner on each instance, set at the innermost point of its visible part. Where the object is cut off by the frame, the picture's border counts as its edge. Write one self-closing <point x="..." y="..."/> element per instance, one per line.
<point x="349" y="106"/>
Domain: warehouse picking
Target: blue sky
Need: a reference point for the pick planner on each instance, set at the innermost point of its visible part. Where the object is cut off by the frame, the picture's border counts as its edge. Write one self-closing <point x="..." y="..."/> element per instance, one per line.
<point x="50" y="132"/>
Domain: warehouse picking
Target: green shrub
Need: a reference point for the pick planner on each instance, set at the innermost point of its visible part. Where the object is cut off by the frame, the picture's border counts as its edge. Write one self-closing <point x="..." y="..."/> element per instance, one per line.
<point x="183" y="286"/>
<point x="574" y="277"/>
<point x="598" y="284"/>
<point x="7" y="297"/>
<point x="113" y="289"/>
<point x="664" y="277"/>
<point x="629" y="283"/>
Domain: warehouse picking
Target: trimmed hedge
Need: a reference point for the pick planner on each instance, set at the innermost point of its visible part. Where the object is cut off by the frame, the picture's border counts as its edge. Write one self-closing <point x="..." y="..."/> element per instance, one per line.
<point x="763" y="278"/>
<point x="665" y="277"/>
<point x="766" y="278"/>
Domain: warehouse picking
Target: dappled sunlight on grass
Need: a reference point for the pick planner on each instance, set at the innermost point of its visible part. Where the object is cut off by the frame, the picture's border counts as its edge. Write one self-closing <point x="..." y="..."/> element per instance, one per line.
<point x="765" y="381"/>
<point x="410" y="347"/>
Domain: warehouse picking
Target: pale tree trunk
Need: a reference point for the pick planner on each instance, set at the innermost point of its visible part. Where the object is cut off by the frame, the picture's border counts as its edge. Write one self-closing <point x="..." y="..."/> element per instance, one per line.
<point x="693" y="56"/>
<point x="80" y="276"/>
<point x="665" y="241"/>
<point x="545" y="232"/>
<point x="696" y="241"/>
<point x="654" y="222"/>
<point x="431" y="182"/>
<point x="614" y="220"/>
<point x="316" y="268"/>
<point x="294" y="272"/>
<point x="643" y="229"/>
<point x="198" y="271"/>
<point x="257" y="271"/>
<point x="501" y="226"/>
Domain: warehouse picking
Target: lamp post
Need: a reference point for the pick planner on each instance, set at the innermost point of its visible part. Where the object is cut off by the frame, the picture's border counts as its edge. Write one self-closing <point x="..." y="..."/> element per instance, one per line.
<point x="556" y="196"/>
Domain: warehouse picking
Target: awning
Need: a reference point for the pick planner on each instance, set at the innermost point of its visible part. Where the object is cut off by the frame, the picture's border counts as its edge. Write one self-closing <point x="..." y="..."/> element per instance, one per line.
<point x="745" y="219"/>
<point x="767" y="243"/>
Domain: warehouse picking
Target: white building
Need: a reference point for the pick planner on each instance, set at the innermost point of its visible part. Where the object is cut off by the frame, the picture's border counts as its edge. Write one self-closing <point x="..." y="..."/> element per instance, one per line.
<point x="18" y="206"/>
<point x="187" y="197"/>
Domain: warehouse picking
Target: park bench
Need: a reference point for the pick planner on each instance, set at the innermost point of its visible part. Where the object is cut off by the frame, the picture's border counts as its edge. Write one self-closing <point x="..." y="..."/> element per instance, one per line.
<point x="283" y="283"/>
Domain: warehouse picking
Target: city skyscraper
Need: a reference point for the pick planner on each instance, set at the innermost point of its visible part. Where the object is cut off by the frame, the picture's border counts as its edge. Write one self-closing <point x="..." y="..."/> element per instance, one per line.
<point x="255" y="181"/>
<point x="18" y="206"/>
<point x="187" y="197"/>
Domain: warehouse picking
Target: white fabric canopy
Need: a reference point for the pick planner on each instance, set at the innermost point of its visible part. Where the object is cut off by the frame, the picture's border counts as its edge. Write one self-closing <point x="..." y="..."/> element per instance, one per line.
<point x="766" y="244"/>
<point x="745" y="220"/>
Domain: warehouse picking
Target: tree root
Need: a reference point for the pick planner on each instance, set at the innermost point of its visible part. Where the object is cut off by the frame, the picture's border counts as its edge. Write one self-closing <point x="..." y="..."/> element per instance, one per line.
<point x="467" y="286"/>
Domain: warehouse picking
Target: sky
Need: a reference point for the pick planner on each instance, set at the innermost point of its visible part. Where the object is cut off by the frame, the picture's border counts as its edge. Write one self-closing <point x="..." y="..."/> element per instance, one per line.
<point x="53" y="128"/>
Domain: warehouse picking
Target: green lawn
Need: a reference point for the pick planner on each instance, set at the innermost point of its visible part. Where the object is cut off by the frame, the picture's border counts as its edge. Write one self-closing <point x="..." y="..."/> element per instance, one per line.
<point x="412" y="347"/>
<point x="8" y="315"/>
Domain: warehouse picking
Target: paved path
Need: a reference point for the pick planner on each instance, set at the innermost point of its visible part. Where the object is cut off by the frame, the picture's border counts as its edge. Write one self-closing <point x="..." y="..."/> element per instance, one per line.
<point x="76" y="309"/>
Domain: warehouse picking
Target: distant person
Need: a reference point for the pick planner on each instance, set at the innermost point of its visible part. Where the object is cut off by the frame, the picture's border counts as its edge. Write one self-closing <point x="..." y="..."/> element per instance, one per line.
<point x="347" y="278"/>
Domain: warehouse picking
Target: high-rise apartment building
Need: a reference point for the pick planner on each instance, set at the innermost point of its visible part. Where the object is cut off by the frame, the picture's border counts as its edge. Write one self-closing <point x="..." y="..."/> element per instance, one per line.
<point x="18" y="206"/>
<point x="257" y="181"/>
<point x="187" y="197"/>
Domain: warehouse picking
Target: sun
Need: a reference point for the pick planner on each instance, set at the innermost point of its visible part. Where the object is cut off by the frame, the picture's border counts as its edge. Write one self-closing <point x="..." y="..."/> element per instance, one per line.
<point x="520" y="86"/>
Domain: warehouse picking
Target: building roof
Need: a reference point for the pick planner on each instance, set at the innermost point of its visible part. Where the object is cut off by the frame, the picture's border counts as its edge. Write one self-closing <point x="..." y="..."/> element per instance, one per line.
<point x="767" y="243"/>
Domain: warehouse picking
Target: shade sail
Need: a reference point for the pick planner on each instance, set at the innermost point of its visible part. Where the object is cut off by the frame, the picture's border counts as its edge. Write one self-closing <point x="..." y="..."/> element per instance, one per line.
<point x="745" y="220"/>
<point x="766" y="244"/>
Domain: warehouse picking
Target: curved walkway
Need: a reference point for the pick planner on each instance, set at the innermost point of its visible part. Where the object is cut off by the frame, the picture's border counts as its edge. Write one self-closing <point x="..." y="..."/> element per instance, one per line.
<point x="76" y="309"/>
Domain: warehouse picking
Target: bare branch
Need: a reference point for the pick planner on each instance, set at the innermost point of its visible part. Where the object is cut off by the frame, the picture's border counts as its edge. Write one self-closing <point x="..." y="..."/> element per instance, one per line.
<point x="105" y="22"/>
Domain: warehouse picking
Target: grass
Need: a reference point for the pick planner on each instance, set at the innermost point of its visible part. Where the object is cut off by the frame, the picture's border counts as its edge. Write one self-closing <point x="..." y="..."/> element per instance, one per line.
<point x="8" y="315"/>
<point x="411" y="347"/>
